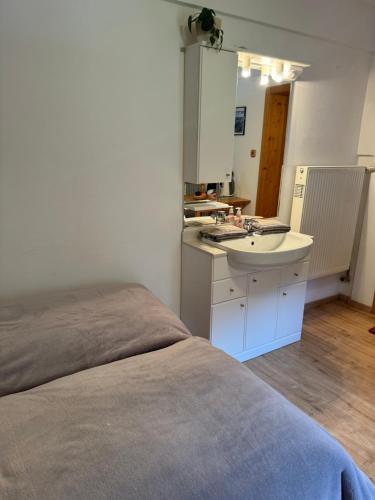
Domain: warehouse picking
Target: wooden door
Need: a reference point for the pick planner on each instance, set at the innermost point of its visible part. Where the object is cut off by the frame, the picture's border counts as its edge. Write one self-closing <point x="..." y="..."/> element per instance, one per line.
<point x="272" y="152"/>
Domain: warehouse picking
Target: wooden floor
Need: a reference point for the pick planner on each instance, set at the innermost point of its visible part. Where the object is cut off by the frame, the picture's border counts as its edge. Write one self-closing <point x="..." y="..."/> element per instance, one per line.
<point x="330" y="375"/>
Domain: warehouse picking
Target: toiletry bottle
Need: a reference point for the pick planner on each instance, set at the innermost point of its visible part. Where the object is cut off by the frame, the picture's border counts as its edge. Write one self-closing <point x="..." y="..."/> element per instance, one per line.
<point x="238" y="218"/>
<point x="230" y="216"/>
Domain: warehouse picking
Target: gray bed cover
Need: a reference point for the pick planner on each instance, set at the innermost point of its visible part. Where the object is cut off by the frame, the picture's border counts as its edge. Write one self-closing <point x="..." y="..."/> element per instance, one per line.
<point x="184" y="421"/>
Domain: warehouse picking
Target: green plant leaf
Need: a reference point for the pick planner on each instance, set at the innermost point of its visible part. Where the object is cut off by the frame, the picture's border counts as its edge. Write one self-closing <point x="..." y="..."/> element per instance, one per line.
<point x="190" y="20"/>
<point x="206" y="18"/>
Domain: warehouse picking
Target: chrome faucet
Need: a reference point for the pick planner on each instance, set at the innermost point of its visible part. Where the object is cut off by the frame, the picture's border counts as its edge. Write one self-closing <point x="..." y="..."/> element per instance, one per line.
<point x="248" y="224"/>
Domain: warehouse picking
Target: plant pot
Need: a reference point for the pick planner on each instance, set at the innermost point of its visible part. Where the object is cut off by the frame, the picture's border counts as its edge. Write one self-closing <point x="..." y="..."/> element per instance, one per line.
<point x="204" y="36"/>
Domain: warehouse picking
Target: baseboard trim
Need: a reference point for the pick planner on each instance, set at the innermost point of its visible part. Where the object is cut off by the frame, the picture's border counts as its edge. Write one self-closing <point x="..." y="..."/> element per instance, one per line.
<point x="357" y="305"/>
<point x="373" y="306"/>
<point x="321" y="302"/>
<point x="264" y="349"/>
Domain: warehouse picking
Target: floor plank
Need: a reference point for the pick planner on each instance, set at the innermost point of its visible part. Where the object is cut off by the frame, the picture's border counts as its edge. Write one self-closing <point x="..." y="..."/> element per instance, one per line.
<point x="330" y="375"/>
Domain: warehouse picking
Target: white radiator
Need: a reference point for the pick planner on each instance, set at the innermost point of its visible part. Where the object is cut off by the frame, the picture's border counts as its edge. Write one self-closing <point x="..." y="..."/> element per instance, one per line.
<point x="326" y="202"/>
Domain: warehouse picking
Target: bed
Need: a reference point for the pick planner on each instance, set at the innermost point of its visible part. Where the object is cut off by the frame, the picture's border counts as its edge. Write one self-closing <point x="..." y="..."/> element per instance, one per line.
<point x="106" y="395"/>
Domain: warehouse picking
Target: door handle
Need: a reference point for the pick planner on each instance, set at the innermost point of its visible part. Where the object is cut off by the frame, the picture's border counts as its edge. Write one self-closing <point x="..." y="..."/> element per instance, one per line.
<point x="242" y="305"/>
<point x="231" y="290"/>
<point x="285" y="293"/>
<point x="255" y="280"/>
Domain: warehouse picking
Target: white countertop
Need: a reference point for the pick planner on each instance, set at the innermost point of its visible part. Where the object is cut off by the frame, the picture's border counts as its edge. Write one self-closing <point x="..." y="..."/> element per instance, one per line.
<point x="200" y="207"/>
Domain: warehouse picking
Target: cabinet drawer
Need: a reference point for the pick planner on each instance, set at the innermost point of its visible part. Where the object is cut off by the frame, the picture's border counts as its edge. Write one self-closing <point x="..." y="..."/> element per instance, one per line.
<point x="232" y="288"/>
<point x="295" y="273"/>
<point x="265" y="280"/>
<point x="222" y="269"/>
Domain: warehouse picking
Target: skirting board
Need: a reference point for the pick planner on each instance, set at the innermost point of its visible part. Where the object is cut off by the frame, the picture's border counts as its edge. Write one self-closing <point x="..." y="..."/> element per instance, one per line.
<point x="343" y="298"/>
<point x="276" y="344"/>
<point x="357" y="305"/>
<point x="321" y="302"/>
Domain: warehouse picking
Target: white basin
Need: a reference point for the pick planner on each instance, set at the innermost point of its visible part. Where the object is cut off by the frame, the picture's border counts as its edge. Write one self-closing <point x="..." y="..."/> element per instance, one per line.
<point x="266" y="250"/>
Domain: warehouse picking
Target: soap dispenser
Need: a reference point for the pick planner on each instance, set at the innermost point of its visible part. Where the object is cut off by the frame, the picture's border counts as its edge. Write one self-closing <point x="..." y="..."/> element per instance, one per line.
<point x="230" y="217"/>
<point x="238" y="218"/>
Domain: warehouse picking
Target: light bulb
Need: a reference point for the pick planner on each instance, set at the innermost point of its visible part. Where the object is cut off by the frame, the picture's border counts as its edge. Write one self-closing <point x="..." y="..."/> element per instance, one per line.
<point x="286" y="70"/>
<point x="246" y="72"/>
<point x="276" y="77"/>
<point x="246" y="67"/>
<point x="277" y="72"/>
<point x="265" y="75"/>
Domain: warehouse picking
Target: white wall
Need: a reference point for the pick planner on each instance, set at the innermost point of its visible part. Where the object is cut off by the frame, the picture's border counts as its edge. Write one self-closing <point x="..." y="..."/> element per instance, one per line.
<point x="90" y="144"/>
<point x="90" y="133"/>
<point x="364" y="282"/>
<point x="246" y="169"/>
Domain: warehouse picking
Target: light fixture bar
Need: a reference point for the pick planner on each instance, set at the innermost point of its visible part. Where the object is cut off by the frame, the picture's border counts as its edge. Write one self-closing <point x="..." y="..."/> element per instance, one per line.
<point x="278" y="69"/>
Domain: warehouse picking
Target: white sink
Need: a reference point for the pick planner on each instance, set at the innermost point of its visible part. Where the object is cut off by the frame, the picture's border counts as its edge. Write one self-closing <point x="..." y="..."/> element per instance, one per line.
<point x="266" y="250"/>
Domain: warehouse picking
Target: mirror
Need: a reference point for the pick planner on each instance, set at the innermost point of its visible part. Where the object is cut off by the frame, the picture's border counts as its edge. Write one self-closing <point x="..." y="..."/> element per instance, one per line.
<point x="260" y="127"/>
<point x="259" y="148"/>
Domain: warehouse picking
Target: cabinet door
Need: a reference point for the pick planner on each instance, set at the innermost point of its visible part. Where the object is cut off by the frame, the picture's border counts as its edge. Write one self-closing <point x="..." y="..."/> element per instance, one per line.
<point x="228" y="325"/>
<point x="291" y="307"/>
<point x="262" y="308"/>
<point x="217" y="113"/>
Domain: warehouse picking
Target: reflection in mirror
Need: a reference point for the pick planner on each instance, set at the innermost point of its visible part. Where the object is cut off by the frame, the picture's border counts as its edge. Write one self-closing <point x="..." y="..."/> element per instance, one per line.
<point x="259" y="152"/>
<point x="259" y="129"/>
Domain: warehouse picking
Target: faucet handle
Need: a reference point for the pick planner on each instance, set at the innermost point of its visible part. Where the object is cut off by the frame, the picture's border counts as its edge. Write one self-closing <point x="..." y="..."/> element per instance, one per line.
<point x="247" y="224"/>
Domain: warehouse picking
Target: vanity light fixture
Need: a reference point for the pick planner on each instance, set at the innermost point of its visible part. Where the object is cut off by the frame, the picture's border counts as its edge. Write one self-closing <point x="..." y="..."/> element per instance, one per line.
<point x="278" y="69"/>
<point x="246" y="66"/>
<point x="286" y="70"/>
<point x="277" y="72"/>
<point x="265" y="75"/>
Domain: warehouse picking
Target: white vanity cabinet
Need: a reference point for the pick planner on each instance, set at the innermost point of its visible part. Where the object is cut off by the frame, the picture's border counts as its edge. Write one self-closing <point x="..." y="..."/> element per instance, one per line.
<point x="209" y="113"/>
<point x="243" y="312"/>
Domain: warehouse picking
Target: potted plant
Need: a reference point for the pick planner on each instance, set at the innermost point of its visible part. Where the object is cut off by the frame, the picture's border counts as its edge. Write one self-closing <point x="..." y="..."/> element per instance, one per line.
<point x="208" y="25"/>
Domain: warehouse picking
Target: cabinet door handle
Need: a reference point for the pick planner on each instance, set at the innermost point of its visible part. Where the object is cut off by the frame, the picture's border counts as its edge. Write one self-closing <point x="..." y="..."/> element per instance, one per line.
<point x="242" y="305"/>
<point x="285" y="293"/>
<point x="255" y="280"/>
<point x="231" y="290"/>
<point x="296" y="274"/>
<point x="228" y="175"/>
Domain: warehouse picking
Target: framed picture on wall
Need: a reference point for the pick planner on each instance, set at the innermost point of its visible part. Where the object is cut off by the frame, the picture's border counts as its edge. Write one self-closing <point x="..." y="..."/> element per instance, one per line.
<point x="240" y="121"/>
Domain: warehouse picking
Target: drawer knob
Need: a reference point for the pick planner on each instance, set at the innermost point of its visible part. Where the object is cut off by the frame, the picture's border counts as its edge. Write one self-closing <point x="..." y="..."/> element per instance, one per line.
<point x="285" y="293"/>
<point x="231" y="290"/>
<point x="296" y="274"/>
<point x="255" y="280"/>
<point x="242" y="305"/>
